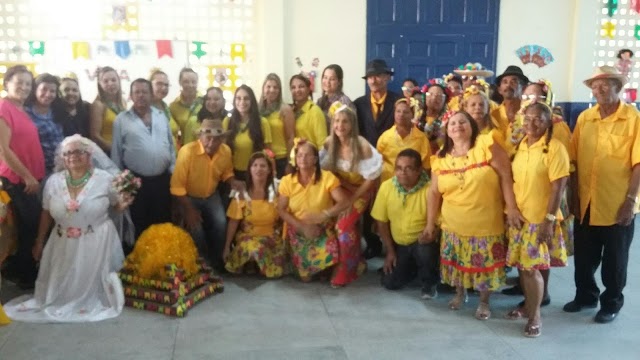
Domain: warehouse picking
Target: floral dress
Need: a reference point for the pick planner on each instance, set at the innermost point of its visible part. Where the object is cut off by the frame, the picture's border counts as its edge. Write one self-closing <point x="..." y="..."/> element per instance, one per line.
<point x="351" y="263"/>
<point x="472" y="248"/>
<point x="258" y="238"/>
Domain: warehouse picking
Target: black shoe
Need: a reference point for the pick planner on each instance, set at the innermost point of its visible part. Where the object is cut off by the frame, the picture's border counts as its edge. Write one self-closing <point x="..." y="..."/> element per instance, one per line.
<point x="372" y="251"/>
<point x="545" y="301"/>
<point x="604" y="317"/>
<point x="574" y="306"/>
<point x="512" y="291"/>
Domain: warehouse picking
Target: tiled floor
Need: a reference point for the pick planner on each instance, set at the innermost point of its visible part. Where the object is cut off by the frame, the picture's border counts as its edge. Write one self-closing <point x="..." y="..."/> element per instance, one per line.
<point x="285" y="319"/>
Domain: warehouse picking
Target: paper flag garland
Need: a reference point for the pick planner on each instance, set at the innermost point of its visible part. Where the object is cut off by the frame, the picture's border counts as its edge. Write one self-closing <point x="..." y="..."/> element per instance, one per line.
<point x="198" y="52"/>
<point x="36" y="48"/>
<point x="612" y="7"/>
<point x="635" y="6"/>
<point x="80" y="49"/>
<point x="237" y="50"/>
<point x="636" y="32"/>
<point x="164" y="48"/>
<point x="608" y="29"/>
<point x="536" y="54"/>
<point x="122" y="48"/>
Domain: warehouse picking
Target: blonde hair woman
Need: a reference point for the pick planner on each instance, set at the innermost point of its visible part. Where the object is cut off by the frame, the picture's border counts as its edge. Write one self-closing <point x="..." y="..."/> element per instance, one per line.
<point x="281" y="120"/>
<point x="106" y="107"/>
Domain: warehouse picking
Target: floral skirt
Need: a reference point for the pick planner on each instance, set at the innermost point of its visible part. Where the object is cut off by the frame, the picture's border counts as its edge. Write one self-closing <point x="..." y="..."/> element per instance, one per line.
<point x="526" y="253"/>
<point x="351" y="264"/>
<point x="267" y="252"/>
<point x="312" y="256"/>
<point x="472" y="261"/>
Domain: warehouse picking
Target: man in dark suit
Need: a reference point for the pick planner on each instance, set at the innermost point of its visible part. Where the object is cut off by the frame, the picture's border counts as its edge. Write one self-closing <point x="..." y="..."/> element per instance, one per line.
<point x="375" y="115"/>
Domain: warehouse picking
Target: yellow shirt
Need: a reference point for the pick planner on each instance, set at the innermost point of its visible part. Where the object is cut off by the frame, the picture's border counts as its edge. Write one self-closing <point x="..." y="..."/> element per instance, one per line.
<point x="377" y="105"/>
<point x="472" y="203"/>
<point x="605" y="151"/>
<point x="181" y="112"/>
<point x="197" y="174"/>
<point x="312" y="198"/>
<point x="408" y="220"/>
<point x="533" y="173"/>
<point x="108" y="118"/>
<point x="243" y="145"/>
<point x="454" y="103"/>
<point x="561" y="132"/>
<point x="278" y="139"/>
<point x="311" y="124"/>
<point x="258" y="216"/>
<point x="390" y="144"/>
<point x="499" y="115"/>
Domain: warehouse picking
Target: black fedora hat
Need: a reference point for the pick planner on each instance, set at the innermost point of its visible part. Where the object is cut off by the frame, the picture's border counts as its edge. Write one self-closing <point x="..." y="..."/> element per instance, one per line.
<point x="376" y="67"/>
<point x="513" y="70"/>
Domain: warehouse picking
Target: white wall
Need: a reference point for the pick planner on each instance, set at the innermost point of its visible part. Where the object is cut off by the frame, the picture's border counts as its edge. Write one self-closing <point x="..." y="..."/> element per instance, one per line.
<point x="332" y="30"/>
<point x="312" y="28"/>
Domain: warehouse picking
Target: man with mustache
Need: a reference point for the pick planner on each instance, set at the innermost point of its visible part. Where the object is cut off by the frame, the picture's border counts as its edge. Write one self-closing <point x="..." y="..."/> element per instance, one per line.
<point x="510" y="85"/>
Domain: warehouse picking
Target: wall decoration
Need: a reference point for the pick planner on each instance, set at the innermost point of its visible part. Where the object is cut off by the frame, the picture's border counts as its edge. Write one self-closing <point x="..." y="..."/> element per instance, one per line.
<point x="198" y="52"/>
<point x="122" y="48"/>
<point x="164" y="48"/>
<point x="237" y="51"/>
<point x="535" y="54"/>
<point x="36" y="48"/>
<point x="311" y="72"/>
<point x="223" y="76"/>
<point x="612" y="7"/>
<point x="80" y="49"/>
<point x="608" y="29"/>
<point x="635" y="6"/>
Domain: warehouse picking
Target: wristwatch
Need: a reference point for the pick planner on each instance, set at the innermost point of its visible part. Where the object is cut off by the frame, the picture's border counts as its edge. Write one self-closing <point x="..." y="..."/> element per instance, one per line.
<point x="633" y="199"/>
<point x="550" y="217"/>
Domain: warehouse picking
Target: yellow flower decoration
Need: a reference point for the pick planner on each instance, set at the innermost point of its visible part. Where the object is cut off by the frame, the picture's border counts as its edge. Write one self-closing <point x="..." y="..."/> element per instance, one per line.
<point x="159" y="246"/>
<point x="474" y="90"/>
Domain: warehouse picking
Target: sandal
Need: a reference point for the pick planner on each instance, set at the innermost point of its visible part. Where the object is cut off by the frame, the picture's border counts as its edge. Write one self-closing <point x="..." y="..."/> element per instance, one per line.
<point x="532" y="330"/>
<point x="457" y="301"/>
<point x="483" y="312"/>
<point x="516" y="314"/>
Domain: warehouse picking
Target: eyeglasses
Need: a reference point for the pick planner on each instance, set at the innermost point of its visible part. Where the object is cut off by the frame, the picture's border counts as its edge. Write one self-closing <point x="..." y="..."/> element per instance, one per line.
<point x="533" y="97"/>
<point x="76" y="152"/>
<point x="469" y="77"/>
<point x="407" y="88"/>
<point x="435" y="96"/>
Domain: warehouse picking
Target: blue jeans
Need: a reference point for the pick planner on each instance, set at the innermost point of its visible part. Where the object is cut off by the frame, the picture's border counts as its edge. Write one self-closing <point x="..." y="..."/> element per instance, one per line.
<point x="210" y="235"/>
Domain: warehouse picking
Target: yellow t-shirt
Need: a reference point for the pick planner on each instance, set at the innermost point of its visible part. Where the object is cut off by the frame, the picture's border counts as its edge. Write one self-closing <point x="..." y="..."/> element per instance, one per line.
<point x="533" y="173"/>
<point x="181" y="112"/>
<point x="390" y="144"/>
<point x="561" y="132"/>
<point x="472" y="202"/>
<point x="278" y="139"/>
<point x="454" y="103"/>
<point x="258" y="216"/>
<point x="108" y="118"/>
<point x="499" y="115"/>
<point x="243" y="145"/>
<point x="605" y="151"/>
<point x="408" y="220"/>
<point x="311" y="124"/>
<point x="312" y="198"/>
<point x="197" y="174"/>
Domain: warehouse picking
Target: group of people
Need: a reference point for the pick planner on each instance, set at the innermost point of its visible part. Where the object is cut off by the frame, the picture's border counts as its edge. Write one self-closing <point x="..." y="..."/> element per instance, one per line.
<point x="452" y="184"/>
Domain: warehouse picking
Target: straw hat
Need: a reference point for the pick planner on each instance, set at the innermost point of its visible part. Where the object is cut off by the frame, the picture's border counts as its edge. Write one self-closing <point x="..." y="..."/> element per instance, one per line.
<point x="473" y="69"/>
<point x="212" y="127"/>
<point x="606" y="72"/>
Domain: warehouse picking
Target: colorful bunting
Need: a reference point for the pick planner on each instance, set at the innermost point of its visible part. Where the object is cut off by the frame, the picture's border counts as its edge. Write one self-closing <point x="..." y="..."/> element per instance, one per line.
<point x="636" y="32"/>
<point x="164" y="48"/>
<point x="80" y="49"/>
<point x="635" y="6"/>
<point x="122" y="48"/>
<point x="237" y="51"/>
<point x="608" y="29"/>
<point x="36" y="48"/>
<point x="612" y="7"/>
<point x="198" y="52"/>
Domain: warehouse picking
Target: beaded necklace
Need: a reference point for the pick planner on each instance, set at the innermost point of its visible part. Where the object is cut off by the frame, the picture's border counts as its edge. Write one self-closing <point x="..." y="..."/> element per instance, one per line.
<point x="78" y="182"/>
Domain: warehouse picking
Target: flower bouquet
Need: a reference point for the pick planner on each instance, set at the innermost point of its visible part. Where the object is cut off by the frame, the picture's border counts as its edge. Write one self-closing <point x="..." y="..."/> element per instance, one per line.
<point x="127" y="183"/>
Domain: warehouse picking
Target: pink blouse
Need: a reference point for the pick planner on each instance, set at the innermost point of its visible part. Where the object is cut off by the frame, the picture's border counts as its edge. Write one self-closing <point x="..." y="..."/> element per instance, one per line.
<point x="25" y="142"/>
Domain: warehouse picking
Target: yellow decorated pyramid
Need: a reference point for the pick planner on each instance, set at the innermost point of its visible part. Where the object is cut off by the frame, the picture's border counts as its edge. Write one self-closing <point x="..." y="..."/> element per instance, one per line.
<point x="163" y="273"/>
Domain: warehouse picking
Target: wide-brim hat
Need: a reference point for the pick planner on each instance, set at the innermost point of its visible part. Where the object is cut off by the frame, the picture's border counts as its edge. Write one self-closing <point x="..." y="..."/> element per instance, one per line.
<point x="606" y="72"/>
<point x="513" y="70"/>
<point x="377" y="67"/>
<point x="473" y="69"/>
<point x="212" y="127"/>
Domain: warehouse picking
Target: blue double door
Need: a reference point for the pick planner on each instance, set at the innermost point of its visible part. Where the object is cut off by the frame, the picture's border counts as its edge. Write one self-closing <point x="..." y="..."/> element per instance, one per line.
<point x="424" y="39"/>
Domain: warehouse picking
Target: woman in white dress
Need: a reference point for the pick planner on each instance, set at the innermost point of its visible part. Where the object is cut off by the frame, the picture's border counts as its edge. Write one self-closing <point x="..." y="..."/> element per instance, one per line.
<point x="78" y="280"/>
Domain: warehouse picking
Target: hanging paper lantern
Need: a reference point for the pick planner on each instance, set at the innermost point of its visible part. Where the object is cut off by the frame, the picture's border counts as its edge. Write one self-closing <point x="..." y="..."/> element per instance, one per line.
<point x="612" y="7"/>
<point x="608" y="29"/>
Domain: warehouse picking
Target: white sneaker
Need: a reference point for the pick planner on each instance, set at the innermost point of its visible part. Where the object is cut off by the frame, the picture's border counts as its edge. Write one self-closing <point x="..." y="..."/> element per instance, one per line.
<point x="429" y="294"/>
